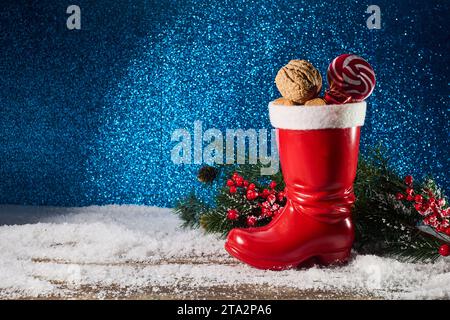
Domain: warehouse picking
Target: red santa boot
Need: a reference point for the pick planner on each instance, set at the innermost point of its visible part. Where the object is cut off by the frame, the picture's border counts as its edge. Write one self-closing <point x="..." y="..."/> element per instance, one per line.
<point x="318" y="148"/>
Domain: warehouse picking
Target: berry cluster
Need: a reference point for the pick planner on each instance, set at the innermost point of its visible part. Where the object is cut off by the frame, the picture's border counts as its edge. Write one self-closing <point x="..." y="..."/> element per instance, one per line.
<point x="432" y="209"/>
<point x="265" y="203"/>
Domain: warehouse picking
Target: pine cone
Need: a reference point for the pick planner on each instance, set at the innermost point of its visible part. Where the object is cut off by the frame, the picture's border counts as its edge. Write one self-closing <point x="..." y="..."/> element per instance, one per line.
<point x="207" y="174"/>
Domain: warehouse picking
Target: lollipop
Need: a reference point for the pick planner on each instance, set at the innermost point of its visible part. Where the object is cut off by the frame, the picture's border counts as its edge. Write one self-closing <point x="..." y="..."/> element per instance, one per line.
<point x="351" y="79"/>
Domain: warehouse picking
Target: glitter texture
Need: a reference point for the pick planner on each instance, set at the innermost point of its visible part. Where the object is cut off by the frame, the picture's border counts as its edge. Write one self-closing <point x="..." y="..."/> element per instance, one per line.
<point x="86" y="116"/>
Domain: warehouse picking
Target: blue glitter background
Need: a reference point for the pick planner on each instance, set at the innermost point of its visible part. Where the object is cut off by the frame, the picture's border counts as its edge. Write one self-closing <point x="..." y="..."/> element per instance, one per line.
<point x="86" y="116"/>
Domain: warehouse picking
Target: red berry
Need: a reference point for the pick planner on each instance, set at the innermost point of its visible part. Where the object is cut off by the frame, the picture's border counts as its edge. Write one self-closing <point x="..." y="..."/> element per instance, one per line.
<point x="418" y="198"/>
<point x="230" y="183"/>
<point x="409" y="180"/>
<point x="251" y="186"/>
<point x="235" y="175"/>
<point x="409" y="191"/>
<point x="444" y="250"/>
<point x="425" y="206"/>
<point x="233" y="189"/>
<point x="423" y="210"/>
<point x="400" y="196"/>
<point x="246" y="183"/>
<point x="265" y="212"/>
<point x="251" y="195"/>
<point x="251" y="221"/>
<point x="275" y="207"/>
<point x="441" y="202"/>
<point x="447" y="231"/>
<point x="281" y="196"/>
<point x="418" y="207"/>
<point x="232" y="214"/>
<point x="266" y="204"/>
<point x="272" y="185"/>
<point x="433" y="217"/>
<point x="239" y="181"/>
<point x="445" y="212"/>
<point x="265" y="193"/>
<point x="271" y="198"/>
<point x="409" y="198"/>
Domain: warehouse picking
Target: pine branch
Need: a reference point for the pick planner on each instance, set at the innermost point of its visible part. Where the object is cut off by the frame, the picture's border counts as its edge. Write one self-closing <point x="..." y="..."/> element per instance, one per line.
<point x="190" y="209"/>
<point x="215" y="221"/>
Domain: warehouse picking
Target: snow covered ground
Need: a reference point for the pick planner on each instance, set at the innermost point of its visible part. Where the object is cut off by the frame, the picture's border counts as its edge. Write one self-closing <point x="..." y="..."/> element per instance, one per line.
<point x="124" y="251"/>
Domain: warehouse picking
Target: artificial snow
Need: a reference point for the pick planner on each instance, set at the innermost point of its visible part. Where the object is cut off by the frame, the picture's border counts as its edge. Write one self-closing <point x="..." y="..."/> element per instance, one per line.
<point x="53" y="252"/>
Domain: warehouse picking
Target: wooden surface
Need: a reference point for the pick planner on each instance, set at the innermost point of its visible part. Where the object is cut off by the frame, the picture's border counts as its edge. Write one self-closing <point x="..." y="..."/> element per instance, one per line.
<point x="187" y="291"/>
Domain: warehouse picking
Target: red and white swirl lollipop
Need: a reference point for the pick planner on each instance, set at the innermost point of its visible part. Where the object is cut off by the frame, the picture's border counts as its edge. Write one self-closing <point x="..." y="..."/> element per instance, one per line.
<point x="350" y="79"/>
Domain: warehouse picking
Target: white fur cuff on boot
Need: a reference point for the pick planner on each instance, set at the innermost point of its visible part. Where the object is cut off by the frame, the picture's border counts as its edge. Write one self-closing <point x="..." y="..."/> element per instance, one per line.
<point x="317" y="117"/>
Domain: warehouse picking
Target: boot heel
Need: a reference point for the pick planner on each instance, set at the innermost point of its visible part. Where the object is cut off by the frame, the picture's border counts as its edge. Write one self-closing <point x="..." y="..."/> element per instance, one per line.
<point x="340" y="257"/>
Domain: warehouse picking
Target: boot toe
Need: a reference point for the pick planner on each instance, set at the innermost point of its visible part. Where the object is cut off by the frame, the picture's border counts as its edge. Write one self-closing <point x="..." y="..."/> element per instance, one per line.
<point x="239" y="244"/>
<point x="242" y="245"/>
<point x="237" y="238"/>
